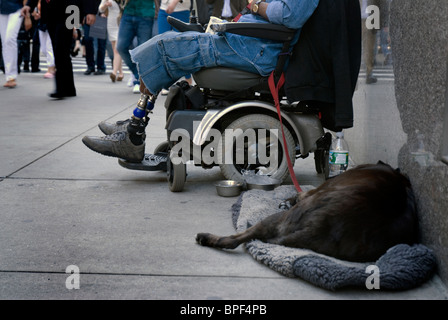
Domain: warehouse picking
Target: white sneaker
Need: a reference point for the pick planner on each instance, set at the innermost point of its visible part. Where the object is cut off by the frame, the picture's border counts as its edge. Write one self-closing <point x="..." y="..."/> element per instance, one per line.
<point x="131" y="80"/>
<point x="164" y="92"/>
<point x="136" y="88"/>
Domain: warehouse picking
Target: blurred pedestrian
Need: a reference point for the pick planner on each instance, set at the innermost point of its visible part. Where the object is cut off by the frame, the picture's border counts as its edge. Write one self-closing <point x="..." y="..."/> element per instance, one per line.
<point x="111" y="9"/>
<point x="10" y="22"/>
<point x="368" y="41"/>
<point x="35" y="55"/>
<point x="76" y="42"/>
<point x="95" y="52"/>
<point x="204" y="11"/>
<point x="45" y="43"/>
<point x="53" y="13"/>
<point x="174" y="8"/>
<point x="136" y="22"/>
<point x="23" y="49"/>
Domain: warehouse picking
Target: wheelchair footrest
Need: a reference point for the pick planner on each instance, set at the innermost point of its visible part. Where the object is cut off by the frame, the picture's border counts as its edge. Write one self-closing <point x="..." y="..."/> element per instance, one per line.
<point x="150" y="162"/>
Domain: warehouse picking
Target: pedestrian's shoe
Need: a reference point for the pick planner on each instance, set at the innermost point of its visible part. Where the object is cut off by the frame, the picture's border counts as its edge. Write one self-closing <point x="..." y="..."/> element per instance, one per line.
<point x="10" y="84"/>
<point x="49" y="75"/>
<point x="110" y="128"/>
<point x="116" y="145"/>
<point x="88" y="72"/>
<point x="50" y="72"/>
<point x="61" y="95"/>
<point x="371" y="79"/>
<point x="99" y="72"/>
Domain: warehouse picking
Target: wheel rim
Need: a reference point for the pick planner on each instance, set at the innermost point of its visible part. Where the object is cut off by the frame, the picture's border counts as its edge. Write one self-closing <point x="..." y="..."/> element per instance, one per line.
<point x="253" y="149"/>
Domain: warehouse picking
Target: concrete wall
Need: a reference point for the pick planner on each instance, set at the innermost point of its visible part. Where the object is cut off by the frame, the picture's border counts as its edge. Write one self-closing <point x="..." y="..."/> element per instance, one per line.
<point x="389" y="113"/>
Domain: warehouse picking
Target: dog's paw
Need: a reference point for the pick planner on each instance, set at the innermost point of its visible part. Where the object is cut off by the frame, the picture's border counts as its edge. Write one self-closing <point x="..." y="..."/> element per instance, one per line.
<point x="285" y="205"/>
<point x="203" y="239"/>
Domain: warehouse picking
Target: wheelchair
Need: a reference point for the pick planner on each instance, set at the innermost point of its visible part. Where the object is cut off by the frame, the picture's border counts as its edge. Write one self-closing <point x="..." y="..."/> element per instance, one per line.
<point x="226" y="98"/>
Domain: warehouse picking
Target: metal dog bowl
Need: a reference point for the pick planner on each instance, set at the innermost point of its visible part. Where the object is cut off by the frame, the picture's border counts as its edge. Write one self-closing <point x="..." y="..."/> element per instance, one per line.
<point x="229" y="188"/>
<point x="267" y="183"/>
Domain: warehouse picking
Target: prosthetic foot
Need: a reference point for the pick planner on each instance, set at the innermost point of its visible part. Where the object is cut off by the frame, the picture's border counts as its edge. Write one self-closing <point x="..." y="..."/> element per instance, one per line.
<point x="136" y="128"/>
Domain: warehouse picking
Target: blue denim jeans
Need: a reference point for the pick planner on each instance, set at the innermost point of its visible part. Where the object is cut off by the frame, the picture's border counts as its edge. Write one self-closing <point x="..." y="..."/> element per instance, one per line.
<point x="133" y="27"/>
<point x="164" y="26"/>
<point x="167" y="57"/>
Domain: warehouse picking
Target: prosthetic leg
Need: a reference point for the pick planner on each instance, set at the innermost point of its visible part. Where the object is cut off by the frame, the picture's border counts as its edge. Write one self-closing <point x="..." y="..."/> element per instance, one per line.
<point x="136" y="130"/>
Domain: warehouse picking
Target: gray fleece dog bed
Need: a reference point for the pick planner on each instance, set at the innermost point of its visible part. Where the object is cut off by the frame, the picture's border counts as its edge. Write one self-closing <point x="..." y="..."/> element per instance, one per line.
<point x="401" y="267"/>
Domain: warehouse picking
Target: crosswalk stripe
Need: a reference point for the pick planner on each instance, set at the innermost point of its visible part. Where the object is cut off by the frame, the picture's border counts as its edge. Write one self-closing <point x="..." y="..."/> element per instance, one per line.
<point x="79" y="65"/>
<point x="381" y="73"/>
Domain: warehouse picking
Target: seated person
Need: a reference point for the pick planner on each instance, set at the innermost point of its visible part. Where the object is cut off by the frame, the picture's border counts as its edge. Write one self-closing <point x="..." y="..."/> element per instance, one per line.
<point x="165" y="58"/>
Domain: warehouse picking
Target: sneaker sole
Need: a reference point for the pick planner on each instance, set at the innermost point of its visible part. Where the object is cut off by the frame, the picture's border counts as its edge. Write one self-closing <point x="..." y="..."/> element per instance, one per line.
<point x="111" y="154"/>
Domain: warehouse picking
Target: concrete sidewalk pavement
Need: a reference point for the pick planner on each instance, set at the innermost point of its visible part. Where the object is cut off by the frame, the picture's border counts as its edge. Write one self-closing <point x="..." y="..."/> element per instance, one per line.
<point x="131" y="238"/>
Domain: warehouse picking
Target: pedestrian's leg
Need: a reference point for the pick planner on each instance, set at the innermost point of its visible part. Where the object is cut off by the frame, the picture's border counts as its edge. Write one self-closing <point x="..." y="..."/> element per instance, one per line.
<point x="126" y="34"/>
<point x="36" y="52"/>
<point x="61" y="39"/>
<point x="101" y="55"/>
<point x="10" y="26"/>
<point x="90" y="50"/>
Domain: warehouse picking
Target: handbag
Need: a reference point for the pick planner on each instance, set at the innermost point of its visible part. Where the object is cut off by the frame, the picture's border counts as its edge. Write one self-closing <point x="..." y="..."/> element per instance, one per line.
<point x="99" y="28"/>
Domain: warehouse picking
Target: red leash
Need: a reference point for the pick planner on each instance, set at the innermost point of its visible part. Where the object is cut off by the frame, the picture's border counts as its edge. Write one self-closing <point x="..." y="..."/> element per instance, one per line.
<point x="274" y="91"/>
<point x="245" y="11"/>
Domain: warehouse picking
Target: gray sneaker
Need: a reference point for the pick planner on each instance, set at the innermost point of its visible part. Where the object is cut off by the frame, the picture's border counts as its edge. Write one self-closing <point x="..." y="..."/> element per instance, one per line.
<point x="116" y="145"/>
<point x="110" y="128"/>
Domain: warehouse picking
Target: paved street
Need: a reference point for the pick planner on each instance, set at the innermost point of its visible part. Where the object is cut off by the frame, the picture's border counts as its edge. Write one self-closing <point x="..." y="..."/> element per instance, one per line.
<point x="131" y="238"/>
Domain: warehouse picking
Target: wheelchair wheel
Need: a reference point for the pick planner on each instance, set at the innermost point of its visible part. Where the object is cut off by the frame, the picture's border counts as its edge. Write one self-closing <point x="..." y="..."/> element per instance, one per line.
<point x="251" y="146"/>
<point x="162" y="147"/>
<point x="322" y="155"/>
<point x="177" y="175"/>
<point x="321" y="159"/>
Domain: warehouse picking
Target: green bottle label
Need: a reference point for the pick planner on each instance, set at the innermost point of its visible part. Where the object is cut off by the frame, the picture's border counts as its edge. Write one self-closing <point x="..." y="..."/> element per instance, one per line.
<point x="339" y="157"/>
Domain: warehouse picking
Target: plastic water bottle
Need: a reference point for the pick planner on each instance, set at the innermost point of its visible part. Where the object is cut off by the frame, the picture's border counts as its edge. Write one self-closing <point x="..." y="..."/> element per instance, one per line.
<point x="339" y="155"/>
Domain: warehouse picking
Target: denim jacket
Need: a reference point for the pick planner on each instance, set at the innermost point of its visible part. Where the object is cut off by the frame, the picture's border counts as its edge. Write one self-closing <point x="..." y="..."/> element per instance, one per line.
<point x="10" y="6"/>
<point x="261" y="53"/>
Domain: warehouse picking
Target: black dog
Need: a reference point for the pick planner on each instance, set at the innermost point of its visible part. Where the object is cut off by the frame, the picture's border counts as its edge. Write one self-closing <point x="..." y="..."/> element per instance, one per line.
<point x="355" y="216"/>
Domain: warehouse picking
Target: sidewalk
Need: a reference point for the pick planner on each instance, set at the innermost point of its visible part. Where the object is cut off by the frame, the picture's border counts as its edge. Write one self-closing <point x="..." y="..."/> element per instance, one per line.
<point x="62" y="204"/>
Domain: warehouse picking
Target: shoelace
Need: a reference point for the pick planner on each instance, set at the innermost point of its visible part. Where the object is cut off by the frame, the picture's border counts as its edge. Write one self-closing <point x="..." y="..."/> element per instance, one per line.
<point x="121" y="135"/>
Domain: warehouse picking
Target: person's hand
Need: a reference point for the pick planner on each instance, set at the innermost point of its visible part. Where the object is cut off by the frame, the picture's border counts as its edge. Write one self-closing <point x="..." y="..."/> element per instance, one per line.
<point x="90" y="19"/>
<point x="75" y="34"/>
<point x="171" y="7"/>
<point x="25" y="11"/>
<point x="36" y="15"/>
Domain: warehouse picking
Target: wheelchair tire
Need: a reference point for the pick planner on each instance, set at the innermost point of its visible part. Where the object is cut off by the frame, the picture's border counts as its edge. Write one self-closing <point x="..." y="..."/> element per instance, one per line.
<point x="162" y="147"/>
<point x="321" y="159"/>
<point x="233" y="171"/>
<point x="177" y="175"/>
